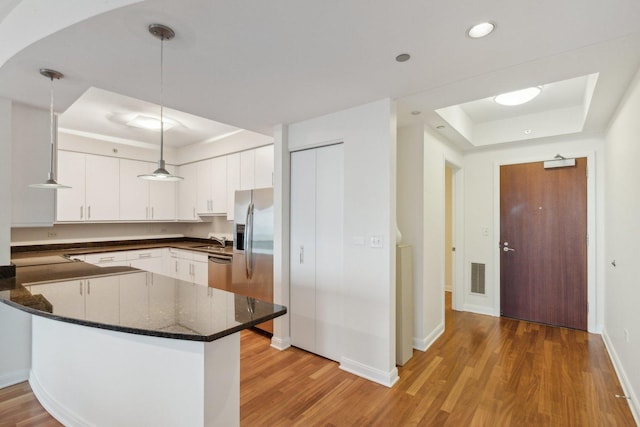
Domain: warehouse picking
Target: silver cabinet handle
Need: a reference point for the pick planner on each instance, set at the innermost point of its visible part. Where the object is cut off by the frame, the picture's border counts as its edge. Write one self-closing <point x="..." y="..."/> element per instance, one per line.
<point x="88" y="212"/>
<point x="301" y="254"/>
<point x="81" y="212"/>
<point x="176" y="266"/>
<point x="88" y="287"/>
<point x="152" y="213"/>
<point x="106" y="258"/>
<point x="144" y="256"/>
<point x="194" y="212"/>
<point x="80" y="283"/>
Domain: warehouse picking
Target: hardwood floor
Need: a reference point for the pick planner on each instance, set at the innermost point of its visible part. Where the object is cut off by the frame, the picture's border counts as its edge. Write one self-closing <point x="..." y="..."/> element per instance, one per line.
<point x="483" y="371"/>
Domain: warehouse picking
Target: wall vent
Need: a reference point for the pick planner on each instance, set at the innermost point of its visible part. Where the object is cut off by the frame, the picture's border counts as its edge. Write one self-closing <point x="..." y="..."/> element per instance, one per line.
<point x="477" y="278"/>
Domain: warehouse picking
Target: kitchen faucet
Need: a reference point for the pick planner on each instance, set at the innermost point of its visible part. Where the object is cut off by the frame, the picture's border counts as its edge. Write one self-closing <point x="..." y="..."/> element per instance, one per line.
<point x="221" y="240"/>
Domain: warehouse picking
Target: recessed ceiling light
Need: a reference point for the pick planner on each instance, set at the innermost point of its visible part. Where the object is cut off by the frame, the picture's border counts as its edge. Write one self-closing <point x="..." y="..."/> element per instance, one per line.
<point x="527" y="131"/>
<point x="416" y="113"/>
<point x="480" y="30"/>
<point x="150" y="123"/>
<point x="518" y="97"/>
<point x="403" y="57"/>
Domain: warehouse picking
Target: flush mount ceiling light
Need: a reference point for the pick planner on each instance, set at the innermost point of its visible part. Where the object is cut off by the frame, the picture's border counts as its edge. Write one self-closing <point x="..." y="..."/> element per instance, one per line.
<point x="518" y="97"/>
<point x="480" y="30"/>
<point x="161" y="174"/>
<point x="151" y="123"/>
<point x="51" y="183"/>
<point x="403" y="57"/>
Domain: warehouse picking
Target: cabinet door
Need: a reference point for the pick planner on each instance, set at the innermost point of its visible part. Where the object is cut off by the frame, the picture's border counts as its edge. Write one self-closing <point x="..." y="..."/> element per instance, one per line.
<point x="264" y="167"/>
<point x="187" y="192"/>
<point x="203" y="186"/>
<point x="134" y="192"/>
<point x="233" y="182"/>
<point x="302" y="238"/>
<point x="102" y="299"/>
<point x="200" y="272"/>
<point x="219" y="185"/>
<point x="102" y="188"/>
<point x="147" y="260"/>
<point x="162" y="199"/>
<point x="247" y="169"/>
<point x="67" y="298"/>
<point x="70" y="204"/>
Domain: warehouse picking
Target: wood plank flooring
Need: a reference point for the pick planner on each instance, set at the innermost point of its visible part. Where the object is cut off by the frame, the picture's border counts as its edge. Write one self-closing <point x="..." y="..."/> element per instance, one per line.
<point x="483" y="371"/>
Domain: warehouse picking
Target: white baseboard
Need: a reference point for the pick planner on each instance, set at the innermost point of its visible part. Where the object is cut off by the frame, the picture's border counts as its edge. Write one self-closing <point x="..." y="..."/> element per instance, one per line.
<point x="479" y="309"/>
<point x="12" y="378"/>
<point x="52" y="406"/>
<point x="280" y="343"/>
<point x="622" y="377"/>
<point x="387" y="379"/>
<point x="423" y="344"/>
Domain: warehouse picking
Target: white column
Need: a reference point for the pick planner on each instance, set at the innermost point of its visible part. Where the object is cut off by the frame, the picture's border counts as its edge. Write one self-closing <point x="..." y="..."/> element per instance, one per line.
<point x="281" y="190"/>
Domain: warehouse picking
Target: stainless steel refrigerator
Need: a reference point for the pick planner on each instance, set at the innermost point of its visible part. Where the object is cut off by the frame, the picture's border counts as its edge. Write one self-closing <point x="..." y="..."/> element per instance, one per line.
<point x="252" y="269"/>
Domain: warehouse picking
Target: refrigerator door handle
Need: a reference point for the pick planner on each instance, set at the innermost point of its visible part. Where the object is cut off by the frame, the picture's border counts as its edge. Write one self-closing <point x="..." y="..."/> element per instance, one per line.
<point x="249" y="246"/>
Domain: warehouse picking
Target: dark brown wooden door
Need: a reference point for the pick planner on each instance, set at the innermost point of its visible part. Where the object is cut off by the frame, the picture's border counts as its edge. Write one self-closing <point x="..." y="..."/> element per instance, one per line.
<point x="543" y="225"/>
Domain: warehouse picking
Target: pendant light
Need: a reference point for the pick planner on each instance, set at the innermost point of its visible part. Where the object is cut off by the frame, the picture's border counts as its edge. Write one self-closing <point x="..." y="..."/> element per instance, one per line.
<point x="51" y="182"/>
<point x="161" y="174"/>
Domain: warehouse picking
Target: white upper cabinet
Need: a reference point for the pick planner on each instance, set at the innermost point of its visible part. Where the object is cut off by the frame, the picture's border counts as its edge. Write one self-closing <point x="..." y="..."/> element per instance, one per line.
<point x="219" y="185"/>
<point x="94" y="192"/>
<point x="162" y="198"/>
<point x="233" y="182"/>
<point x="187" y="192"/>
<point x="70" y="203"/>
<point x="203" y="187"/>
<point x="102" y="179"/>
<point x="263" y="175"/>
<point x="134" y="192"/>
<point x="247" y="169"/>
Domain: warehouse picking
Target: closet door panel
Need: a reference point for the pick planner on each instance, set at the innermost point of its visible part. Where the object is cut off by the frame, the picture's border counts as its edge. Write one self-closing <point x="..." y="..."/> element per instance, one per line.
<point x="302" y="264"/>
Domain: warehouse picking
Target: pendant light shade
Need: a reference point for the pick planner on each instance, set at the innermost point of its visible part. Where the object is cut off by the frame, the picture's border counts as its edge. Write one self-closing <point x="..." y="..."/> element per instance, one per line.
<point x="161" y="174"/>
<point x="51" y="183"/>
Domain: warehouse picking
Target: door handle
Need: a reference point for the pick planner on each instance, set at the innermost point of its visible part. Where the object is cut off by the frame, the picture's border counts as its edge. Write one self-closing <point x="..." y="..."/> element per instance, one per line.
<point x="506" y="248"/>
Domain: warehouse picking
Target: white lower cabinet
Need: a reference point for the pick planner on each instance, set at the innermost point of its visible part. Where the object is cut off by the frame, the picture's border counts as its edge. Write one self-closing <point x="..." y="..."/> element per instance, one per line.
<point x="147" y="300"/>
<point x="316" y="271"/>
<point x="188" y="266"/>
<point x="147" y="260"/>
<point x="108" y="259"/>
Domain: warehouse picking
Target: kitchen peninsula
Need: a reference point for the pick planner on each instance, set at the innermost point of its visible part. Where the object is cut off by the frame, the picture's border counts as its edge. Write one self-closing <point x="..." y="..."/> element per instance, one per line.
<point x="121" y="346"/>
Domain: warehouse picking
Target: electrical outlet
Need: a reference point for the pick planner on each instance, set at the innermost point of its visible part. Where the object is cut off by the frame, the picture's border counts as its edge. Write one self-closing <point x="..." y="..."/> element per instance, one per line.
<point x="485" y="231"/>
<point x="52" y="234"/>
<point x="626" y="335"/>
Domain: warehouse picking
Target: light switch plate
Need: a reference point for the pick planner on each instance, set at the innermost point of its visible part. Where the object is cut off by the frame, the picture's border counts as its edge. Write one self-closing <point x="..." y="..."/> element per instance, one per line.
<point x="376" y="241"/>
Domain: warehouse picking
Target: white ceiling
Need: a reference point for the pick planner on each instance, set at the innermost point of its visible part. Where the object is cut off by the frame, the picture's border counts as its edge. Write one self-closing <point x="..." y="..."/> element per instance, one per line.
<point x="254" y="64"/>
<point x="98" y="113"/>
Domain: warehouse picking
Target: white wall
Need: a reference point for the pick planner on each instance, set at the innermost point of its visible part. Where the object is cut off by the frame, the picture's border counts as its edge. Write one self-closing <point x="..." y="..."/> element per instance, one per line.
<point x="368" y="296"/>
<point x="481" y="172"/>
<point x="15" y="326"/>
<point x="31" y="149"/>
<point x="241" y="141"/>
<point x="15" y="335"/>
<point x="623" y="244"/>
<point x="96" y="232"/>
<point x="437" y="152"/>
<point x="5" y="181"/>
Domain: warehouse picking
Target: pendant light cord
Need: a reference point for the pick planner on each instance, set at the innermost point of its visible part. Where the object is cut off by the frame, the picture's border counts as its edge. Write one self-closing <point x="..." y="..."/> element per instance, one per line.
<point x="161" y="99"/>
<point x="51" y="129"/>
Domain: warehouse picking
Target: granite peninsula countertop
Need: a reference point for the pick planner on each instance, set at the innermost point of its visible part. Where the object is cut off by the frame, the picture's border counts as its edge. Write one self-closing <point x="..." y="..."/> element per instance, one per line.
<point x="125" y="299"/>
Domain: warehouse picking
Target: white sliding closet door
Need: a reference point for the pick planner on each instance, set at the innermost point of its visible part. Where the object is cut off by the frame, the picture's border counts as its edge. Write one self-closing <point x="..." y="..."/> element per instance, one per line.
<point x="317" y="193"/>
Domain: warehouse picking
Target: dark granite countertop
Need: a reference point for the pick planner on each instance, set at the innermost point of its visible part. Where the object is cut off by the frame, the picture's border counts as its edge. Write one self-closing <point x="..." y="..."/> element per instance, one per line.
<point x="128" y="300"/>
